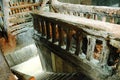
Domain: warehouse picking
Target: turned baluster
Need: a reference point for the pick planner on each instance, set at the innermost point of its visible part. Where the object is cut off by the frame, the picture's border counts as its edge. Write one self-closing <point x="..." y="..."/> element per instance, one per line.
<point x="112" y="19"/>
<point x="90" y="47"/>
<point x="78" y="41"/>
<point x="95" y="17"/>
<point x="61" y="35"/>
<point x="69" y="38"/>
<point x="43" y="27"/>
<point x="48" y="29"/>
<point x="53" y="25"/>
<point x="104" y="18"/>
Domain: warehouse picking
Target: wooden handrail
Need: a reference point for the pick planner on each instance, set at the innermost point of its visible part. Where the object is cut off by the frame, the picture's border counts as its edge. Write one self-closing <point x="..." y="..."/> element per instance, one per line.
<point x="105" y="29"/>
<point x="92" y="12"/>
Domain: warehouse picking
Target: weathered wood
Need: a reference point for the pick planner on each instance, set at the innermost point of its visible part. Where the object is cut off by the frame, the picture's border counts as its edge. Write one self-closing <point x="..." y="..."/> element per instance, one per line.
<point x="61" y="35"/>
<point x="25" y="5"/>
<point x="79" y="28"/>
<point x="43" y="27"/>
<point x="81" y="66"/>
<point x="90" y="26"/>
<point x="60" y="7"/>
<point x="69" y="38"/>
<point x="78" y="41"/>
<point x="53" y="32"/>
<point x="48" y="29"/>
<point x="91" y="46"/>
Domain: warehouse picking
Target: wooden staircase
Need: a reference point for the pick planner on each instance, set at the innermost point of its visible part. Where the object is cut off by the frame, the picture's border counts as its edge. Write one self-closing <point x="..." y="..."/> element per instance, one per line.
<point x="62" y="76"/>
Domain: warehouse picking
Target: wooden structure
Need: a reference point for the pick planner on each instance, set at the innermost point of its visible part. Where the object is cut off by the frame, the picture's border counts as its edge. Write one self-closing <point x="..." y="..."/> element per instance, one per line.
<point x="75" y="37"/>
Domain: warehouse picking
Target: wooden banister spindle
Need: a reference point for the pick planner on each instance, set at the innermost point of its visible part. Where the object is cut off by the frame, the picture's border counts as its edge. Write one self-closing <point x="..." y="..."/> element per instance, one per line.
<point x="69" y="38"/>
<point x="34" y="22"/>
<point x="112" y="20"/>
<point x="61" y="35"/>
<point x="88" y="16"/>
<point x="105" y="53"/>
<point x="95" y="17"/>
<point x="53" y="32"/>
<point x="104" y="18"/>
<point x="40" y="27"/>
<point x="48" y="29"/>
<point x="90" y="47"/>
<point x="43" y="27"/>
<point x="78" y="40"/>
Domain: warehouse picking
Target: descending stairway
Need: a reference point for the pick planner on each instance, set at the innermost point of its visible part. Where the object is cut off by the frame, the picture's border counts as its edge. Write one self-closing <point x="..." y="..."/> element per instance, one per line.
<point x="61" y="76"/>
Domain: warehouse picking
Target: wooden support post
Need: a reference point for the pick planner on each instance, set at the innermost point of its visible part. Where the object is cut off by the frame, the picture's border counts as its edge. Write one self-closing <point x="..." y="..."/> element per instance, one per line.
<point x="61" y="35"/>
<point x="48" y="29"/>
<point x="90" y="47"/>
<point x="104" y="18"/>
<point x="105" y="53"/>
<point x="78" y="41"/>
<point x="43" y="27"/>
<point x="53" y="32"/>
<point x="69" y="38"/>
<point x="112" y="19"/>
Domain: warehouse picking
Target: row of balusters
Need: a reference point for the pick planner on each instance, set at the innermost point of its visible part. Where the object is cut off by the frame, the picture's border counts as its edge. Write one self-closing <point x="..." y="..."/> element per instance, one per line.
<point x="69" y="38"/>
<point x="24" y="9"/>
<point x="21" y="2"/>
<point x="21" y="9"/>
<point x="95" y="16"/>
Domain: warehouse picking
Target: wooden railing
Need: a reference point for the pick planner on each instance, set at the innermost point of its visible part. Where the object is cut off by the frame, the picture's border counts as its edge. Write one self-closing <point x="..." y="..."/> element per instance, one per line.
<point x="20" y="11"/>
<point x="78" y="40"/>
<point x="102" y="13"/>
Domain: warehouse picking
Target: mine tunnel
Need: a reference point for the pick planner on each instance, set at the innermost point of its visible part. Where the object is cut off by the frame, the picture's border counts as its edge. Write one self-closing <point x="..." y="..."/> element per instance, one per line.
<point x="59" y="39"/>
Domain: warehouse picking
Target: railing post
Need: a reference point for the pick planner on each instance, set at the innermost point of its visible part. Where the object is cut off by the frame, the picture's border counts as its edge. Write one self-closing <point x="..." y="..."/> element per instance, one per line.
<point x="78" y="41"/>
<point x="105" y="53"/>
<point x="90" y="47"/>
<point x="69" y="38"/>
<point x="48" y="29"/>
<point x="61" y="35"/>
<point x="53" y="32"/>
<point x="43" y="27"/>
